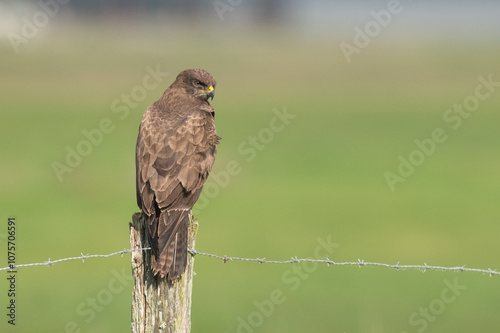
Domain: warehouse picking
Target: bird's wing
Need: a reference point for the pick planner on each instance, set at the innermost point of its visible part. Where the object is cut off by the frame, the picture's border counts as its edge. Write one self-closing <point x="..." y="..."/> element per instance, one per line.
<point x="173" y="162"/>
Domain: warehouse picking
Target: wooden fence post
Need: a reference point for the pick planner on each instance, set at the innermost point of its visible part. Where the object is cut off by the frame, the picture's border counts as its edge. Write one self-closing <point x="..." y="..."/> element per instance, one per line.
<point x="158" y="305"/>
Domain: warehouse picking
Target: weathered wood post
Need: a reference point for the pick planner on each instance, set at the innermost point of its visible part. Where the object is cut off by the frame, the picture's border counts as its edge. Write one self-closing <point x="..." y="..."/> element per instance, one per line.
<point x="158" y="305"/>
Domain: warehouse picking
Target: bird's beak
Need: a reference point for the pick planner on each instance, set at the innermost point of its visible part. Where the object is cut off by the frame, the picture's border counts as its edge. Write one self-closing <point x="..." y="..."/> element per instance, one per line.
<point x="210" y="92"/>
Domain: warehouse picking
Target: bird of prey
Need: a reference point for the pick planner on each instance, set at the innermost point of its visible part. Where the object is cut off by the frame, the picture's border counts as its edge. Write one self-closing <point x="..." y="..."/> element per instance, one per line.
<point x="175" y="151"/>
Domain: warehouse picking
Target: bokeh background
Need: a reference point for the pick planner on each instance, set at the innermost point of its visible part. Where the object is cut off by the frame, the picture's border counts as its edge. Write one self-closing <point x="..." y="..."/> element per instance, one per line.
<point x="320" y="174"/>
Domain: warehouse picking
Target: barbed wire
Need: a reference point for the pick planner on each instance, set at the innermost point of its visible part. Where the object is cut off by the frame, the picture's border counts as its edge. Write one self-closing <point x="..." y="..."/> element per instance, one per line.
<point x="360" y="263"/>
<point x="82" y="257"/>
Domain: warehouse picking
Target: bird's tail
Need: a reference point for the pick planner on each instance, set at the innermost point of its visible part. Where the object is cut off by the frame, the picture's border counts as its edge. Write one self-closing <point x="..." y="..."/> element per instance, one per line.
<point x="171" y="258"/>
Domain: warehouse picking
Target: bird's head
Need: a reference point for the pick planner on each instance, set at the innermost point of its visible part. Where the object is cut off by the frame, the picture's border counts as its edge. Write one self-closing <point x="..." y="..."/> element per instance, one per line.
<point x="198" y="83"/>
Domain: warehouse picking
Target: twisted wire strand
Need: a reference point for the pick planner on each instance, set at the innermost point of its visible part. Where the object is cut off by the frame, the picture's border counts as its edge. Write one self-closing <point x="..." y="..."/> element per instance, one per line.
<point x="360" y="263"/>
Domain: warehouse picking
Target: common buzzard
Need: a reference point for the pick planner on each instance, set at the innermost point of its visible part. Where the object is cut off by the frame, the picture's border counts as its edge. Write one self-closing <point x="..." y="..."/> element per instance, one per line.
<point x="175" y="152"/>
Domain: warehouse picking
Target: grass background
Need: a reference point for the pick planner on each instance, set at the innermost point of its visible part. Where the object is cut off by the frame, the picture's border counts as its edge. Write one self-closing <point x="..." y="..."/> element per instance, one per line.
<point x="322" y="176"/>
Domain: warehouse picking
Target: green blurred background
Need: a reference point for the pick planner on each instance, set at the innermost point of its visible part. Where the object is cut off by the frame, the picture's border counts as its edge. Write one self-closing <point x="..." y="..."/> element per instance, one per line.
<point x="321" y="176"/>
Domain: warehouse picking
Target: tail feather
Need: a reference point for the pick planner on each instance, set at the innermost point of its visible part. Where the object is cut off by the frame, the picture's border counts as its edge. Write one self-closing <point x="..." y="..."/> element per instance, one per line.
<point x="171" y="257"/>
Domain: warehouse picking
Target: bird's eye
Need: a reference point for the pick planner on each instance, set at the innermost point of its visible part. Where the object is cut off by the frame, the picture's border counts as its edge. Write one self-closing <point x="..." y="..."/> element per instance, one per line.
<point x="197" y="83"/>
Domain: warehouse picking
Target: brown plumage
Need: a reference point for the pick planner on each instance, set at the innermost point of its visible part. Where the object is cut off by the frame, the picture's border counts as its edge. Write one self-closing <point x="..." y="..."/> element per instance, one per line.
<point x="175" y="152"/>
